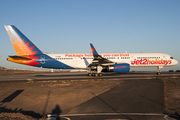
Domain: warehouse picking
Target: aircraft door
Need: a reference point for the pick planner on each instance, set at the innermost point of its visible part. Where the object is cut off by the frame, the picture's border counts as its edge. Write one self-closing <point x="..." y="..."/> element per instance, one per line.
<point x="131" y="60"/>
<point x="75" y="59"/>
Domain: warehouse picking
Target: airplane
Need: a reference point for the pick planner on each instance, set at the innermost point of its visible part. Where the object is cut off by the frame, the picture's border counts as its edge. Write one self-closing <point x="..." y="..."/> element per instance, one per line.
<point x="95" y="63"/>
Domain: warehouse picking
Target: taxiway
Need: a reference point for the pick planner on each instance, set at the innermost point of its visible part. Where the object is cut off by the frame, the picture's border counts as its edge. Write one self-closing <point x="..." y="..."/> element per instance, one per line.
<point x="76" y="96"/>
<point x="82" y="76"/>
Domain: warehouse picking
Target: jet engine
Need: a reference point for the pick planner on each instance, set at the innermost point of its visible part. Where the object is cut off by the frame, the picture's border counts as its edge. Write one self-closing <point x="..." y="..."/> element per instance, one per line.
<point x="121" y="67"/>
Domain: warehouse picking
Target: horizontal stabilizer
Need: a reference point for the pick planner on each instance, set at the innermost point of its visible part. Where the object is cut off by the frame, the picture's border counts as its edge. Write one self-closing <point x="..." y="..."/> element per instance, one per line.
<point x="19" y="57"/>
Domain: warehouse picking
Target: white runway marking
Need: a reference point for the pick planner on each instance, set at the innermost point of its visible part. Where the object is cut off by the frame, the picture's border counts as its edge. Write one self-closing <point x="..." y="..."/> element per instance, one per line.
<point x="90" y="114"/>
<point x="65" y="118"/>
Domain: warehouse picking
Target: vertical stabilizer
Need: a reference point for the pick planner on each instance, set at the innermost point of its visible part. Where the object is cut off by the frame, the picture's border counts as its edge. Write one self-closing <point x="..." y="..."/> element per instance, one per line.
<point x="22" y="45"/>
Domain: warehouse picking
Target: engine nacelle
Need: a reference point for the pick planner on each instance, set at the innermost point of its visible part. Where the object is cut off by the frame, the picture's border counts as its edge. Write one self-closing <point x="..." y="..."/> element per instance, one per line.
<point x="122" y="67"/>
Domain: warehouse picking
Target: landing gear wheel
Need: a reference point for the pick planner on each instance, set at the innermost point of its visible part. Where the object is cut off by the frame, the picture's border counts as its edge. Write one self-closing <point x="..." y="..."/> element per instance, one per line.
<point x="89" y="74"/>
<point x="100" y="74"/>
<point x="158" y="73"/>
<point x="96" y="74"/>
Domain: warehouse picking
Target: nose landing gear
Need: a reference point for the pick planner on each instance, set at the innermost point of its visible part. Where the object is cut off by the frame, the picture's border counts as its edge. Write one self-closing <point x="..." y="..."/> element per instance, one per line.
<point x="159" y="71"/>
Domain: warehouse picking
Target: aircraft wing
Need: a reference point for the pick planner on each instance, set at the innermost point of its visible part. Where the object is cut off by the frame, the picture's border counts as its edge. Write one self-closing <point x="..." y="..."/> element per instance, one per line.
<point x="98" y="59"/>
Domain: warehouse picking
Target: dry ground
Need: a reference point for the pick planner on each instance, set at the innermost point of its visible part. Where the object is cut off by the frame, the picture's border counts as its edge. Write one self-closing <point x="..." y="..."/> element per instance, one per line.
<point x="171" y="94"/>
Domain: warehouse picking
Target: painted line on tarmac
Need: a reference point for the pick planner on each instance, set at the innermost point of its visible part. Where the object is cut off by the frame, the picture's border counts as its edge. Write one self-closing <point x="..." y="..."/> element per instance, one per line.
<point x="132" y="78"/>
<point x="98" y="114"/>
<point x="65" y="117"/>
<point x="86" y="80"/>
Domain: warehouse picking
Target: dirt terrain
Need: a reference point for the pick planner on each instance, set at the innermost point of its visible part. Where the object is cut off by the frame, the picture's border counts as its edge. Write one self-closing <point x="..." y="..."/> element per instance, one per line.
<point x="171" y="94"/>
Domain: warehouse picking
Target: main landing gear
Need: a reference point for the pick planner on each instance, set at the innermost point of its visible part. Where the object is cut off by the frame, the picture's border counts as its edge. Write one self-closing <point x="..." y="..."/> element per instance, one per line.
<point x="95" y="74"/>
<point x="158" y="73"/>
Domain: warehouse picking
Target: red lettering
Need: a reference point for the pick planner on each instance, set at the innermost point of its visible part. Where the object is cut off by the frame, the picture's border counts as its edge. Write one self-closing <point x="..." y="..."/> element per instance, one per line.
<point x="169" y="61"/>
<point x="124" y="55"/>
<point x="144" y="61"/>
<point x="147" y="61"/>
<point x="119" y="67"/>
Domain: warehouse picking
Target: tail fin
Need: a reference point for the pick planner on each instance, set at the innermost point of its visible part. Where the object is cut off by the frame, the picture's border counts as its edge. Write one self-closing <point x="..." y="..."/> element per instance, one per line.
<point x="22" y="45"/>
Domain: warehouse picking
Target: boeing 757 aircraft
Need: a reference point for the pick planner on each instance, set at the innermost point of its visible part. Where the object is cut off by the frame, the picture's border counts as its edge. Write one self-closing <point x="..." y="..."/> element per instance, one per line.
<point x="96" y="63"/>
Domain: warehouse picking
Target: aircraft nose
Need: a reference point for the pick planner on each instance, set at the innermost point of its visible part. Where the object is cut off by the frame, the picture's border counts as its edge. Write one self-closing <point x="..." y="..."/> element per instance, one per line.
<point x="175" y="62"/>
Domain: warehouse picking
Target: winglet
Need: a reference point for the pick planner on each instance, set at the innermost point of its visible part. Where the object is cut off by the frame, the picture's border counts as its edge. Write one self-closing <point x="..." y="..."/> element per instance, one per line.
<point x="94" y="52"/>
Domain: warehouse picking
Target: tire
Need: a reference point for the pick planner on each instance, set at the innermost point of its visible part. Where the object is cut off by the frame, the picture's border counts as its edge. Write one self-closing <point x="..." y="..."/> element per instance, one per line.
<point x="158" y="73"/>
<point x="100" y="74"/>
<point x="89" y="74"/>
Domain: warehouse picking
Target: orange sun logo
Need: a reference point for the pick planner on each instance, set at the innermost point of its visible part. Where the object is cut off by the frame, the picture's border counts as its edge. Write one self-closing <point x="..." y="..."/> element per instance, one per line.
<point x="24" y="50"/>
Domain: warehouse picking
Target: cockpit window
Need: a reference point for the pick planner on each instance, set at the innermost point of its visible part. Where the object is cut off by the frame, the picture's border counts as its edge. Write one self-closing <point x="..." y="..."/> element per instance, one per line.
<point x="171" y="58"/>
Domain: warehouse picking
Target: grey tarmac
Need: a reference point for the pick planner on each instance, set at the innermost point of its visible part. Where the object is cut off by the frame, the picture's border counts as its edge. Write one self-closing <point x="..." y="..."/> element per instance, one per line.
<point x="81" y="76"/>
<point x="122" y="97"/>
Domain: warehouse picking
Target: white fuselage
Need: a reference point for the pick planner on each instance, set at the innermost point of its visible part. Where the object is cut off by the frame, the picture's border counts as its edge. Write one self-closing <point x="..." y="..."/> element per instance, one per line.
<point x="82" y="60"/>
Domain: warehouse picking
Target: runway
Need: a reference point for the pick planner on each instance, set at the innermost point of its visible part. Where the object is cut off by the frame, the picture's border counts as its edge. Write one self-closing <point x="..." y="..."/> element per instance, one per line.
<point x="76" y="96"/>
<point x="82" y="76"/>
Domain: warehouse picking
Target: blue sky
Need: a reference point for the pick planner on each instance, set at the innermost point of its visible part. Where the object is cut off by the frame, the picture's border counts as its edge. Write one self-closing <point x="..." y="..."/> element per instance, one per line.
<point x="68" y="26"/>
